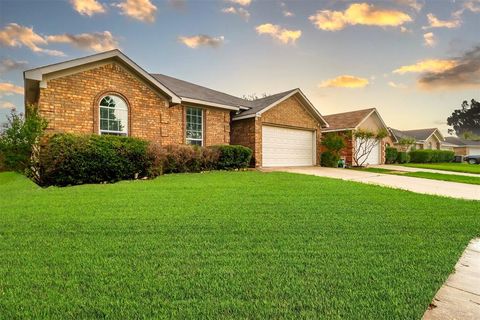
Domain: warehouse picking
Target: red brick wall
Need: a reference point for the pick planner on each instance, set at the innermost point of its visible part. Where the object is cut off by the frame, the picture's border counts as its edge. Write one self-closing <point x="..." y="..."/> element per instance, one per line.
<point x="70" y="104"/>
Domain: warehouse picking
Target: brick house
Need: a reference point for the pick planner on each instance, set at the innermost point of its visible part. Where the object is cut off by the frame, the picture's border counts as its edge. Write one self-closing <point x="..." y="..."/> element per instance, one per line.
<point x="430" y="138"/>
<point x="108" y="93"/>
<point x="347" y="123"/>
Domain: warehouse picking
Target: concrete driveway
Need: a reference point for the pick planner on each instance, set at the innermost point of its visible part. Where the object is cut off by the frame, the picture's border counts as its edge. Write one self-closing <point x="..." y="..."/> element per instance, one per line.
<point x="419" y="185"/>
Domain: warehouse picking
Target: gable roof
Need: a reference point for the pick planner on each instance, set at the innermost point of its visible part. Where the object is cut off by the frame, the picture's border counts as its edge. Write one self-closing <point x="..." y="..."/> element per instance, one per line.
<point x="38" y="73"/>
<point x="259" y="106"/>
<point x="417" y="134"/>
<point x="461" y="142"/>
<point x="350" y="120"/>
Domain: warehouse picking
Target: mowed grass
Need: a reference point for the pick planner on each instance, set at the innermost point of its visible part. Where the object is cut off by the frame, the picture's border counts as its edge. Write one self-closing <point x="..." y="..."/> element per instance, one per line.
<point x="450" y="166"/>
<point x="428" y="175"/>
<point x="226" y="245"/>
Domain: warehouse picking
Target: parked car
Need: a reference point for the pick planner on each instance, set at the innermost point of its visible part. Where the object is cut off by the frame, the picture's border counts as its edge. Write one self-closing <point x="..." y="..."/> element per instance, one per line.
<point x="472" y="159"/>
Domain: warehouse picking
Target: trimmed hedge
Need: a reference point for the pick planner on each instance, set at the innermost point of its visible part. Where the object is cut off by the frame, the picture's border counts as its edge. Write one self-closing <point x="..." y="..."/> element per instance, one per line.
<point x="391" y="155"/>
<point x="403" y="157"/>
<point x="68" y="159"/>
<point x="329" y="159"/>
<point x="233" y="157"/>
<point x="429" y="156"/>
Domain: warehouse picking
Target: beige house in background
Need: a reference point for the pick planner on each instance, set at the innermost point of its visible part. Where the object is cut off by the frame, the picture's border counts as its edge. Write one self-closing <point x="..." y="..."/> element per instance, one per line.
<point x="462" y="147"/>
<point x="430" y="138"/>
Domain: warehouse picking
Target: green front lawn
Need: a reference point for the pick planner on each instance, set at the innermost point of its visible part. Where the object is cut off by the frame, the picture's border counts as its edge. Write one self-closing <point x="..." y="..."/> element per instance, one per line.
<point x="427" y="175"/>
<point x="226" y="245"/>
<point x="456" y="167"/>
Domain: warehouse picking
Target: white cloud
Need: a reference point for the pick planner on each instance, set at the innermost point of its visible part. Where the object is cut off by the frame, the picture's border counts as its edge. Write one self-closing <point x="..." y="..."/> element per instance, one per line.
<point x="142" y="10"/>
<point x="429" y="39"/>
<point x="434" y="22"/>
<point x="87" y="7"/>
<point x="397" y="85"/>
<point x="7" y="89"/>
<point x="283" y="35"/>
<point x="201" y="40"/>
<point x="414" y="4"/>
<point x="358" y="14"/>
<point x="8" y="64"/>
<point x="472" y="5"/>
<point x="7" y="105"/>
<point x="15" y="35"/>
<point x="243" y="13"/>
<point x="98" y="41"/>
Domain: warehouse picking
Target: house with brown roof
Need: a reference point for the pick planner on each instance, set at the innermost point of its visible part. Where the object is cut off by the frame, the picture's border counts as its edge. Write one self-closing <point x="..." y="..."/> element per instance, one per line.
<point x="346" y="123"/>
<point x="462" y="147"/>
<point x="430" y="138"/>
<point x="108" y="93"/>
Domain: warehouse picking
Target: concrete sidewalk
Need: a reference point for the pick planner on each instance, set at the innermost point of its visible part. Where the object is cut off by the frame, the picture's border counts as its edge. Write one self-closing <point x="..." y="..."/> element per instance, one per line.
<point x="412" y="169"/>
<point x="419" y="185"/>
<point x="459" y="297"/>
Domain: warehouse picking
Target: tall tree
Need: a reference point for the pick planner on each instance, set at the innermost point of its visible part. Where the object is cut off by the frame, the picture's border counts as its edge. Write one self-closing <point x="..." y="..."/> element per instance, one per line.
<point x="465" y="119"/>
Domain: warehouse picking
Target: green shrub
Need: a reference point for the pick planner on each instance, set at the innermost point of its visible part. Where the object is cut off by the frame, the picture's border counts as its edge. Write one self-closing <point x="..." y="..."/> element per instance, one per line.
<point x="233" y="157"/>
<point x="403" y="157"/>
<point x="429" y="156"/>
<point x="68" y="159"/>
<point x="391" y="155"/>
<point x="329" y="159"/>
<point x="185" y="158"/>
<point x="19" y="141"/>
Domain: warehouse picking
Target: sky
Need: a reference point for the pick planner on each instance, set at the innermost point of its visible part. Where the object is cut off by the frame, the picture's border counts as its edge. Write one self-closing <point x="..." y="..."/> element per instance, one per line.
<point x="413" y="60"/>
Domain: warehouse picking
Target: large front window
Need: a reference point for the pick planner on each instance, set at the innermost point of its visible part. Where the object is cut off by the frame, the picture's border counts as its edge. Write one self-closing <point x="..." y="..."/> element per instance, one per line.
<point x="113" y="116"/>
<point x="194" y="128"/>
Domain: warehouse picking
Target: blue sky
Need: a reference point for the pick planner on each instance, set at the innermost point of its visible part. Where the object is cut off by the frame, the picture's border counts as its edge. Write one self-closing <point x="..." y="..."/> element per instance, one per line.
<point x="343" y="55"/>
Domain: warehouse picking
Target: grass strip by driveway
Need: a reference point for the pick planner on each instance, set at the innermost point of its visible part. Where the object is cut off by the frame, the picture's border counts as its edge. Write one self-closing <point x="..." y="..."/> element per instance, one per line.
<point x="226" y="245"/>
<point x="455" y="167"/>
<point x="427" y="175"/>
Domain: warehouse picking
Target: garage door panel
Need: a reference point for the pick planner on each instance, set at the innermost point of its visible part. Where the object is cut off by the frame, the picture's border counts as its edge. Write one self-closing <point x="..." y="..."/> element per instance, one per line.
<point x="473" y="151"/>
<point x="287" y="147"/>
<point x="374" y="156"/>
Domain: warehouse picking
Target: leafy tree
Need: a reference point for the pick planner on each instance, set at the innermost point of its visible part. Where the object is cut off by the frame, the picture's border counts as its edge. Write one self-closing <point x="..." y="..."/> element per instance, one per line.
<point x="365" y="142"/>
<point x="334" y="144"/>
<point x="19" y="141"/>
<point x="468" y="135"/>
<point x="465" y="119"/>
<point x="405" y="143"/>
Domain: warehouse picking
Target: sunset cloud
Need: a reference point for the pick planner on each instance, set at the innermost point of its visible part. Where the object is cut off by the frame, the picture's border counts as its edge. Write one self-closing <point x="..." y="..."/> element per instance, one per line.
<point x="142" y="10"/>
<point x="414" y="4"/>
<point x="472" y="5"/>
<point x="429" y="39"/>
<point x="243" y="13"/>
<point x="7" y="89"/>
<point x="465" y="73"/>
<point x="98" y="41"/>
<point x="87" y="7"/>
<point x="358" y="14"/>
<point x="429" y="65"/>
<point x="201" y="40"/>
<point x="240" y="2"/>
<point x="397" y="85"/>
<point x="15" y="35"/>
<point x="283" y="35"/>
<point x="434" y="22"/>
<point x="8" y="64"/>
<point x="345" y="81"/>
<point x="6" y="105"/>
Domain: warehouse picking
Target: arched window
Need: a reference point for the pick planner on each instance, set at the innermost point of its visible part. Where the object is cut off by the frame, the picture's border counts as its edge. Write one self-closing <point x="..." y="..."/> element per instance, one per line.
<point x="113" y="116"/>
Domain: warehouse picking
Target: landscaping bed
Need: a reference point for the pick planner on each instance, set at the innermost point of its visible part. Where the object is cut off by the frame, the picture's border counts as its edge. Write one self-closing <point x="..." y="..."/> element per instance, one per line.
<point x="226" y="245"/>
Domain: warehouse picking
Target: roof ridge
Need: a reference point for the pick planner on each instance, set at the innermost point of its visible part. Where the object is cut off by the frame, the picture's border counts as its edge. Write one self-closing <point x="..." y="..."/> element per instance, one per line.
<point x="360" y="110"/>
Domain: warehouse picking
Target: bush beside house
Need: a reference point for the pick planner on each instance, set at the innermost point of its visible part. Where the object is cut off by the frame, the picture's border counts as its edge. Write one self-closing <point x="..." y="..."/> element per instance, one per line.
<point x="391" y="155"/>
<point x="429" y="156"/>
<point x="333" y="144"/>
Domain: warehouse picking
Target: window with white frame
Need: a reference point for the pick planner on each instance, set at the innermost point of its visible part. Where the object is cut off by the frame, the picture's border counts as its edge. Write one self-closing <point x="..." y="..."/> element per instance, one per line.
<point x="113" y="117"/>
<point x="194" y="127"/>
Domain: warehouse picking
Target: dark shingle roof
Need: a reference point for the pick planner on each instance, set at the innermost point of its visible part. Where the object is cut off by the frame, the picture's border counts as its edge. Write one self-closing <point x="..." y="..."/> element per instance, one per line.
<point x="346" y="120"/>
<point x="418" y="134"/>
<point x="260" y="104"/>
<point x="193" y="91"/>
<point x="461" y="142"/>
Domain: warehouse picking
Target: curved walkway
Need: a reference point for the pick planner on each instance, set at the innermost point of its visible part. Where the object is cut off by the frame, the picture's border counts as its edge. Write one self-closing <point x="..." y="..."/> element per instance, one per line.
<point x="419" y="185"/>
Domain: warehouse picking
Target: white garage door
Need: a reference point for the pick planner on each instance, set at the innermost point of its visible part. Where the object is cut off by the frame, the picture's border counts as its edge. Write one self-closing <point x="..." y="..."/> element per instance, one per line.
<point x="373" y="157"/>
<point x="287" y="147"/>
<point x="474" y="151"/>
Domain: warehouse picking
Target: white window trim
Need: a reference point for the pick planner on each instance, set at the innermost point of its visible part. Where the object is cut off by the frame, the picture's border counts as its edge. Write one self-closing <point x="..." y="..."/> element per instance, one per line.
<point x="203" y="126"/>
<point x="100" y="131"/>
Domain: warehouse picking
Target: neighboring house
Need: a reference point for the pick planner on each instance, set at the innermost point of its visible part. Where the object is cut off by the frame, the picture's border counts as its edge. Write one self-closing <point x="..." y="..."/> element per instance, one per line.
<point x="348" y="122"/>
<point x="108" y="93"/>
<point x="462" y="147"/>
<point x="430" y="138"/>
